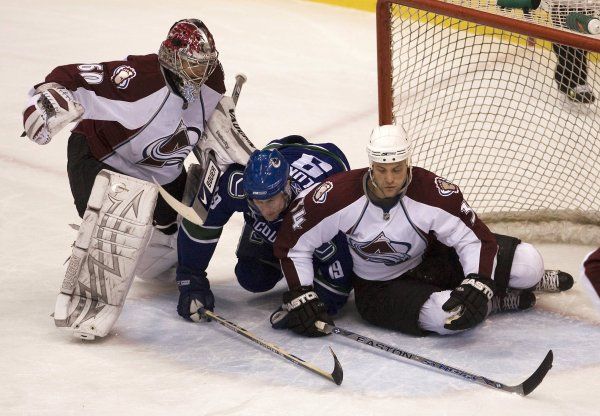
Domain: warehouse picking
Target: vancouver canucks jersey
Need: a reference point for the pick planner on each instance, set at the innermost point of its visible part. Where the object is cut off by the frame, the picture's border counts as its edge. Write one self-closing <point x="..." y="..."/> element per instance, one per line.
<point x="309" y="165"/>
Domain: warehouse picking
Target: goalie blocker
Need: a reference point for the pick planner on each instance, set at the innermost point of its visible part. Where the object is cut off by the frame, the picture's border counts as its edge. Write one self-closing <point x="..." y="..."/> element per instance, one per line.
<point x="115" y="230"/>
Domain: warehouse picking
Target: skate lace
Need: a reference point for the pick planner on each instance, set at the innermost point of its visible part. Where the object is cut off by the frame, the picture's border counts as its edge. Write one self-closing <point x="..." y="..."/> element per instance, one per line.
<point x="505" y="303"/>
<point x="510" y="302"/>
<point x="549" y="281"/>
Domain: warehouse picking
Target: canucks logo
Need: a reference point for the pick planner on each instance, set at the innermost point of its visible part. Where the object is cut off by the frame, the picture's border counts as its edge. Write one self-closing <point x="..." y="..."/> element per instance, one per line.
<point x="381" y="250"/>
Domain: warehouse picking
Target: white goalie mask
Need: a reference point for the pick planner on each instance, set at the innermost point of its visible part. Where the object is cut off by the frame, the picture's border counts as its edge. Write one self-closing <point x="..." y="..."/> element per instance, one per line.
<point x="390" y="144"/>
<point x="190" y="53"/>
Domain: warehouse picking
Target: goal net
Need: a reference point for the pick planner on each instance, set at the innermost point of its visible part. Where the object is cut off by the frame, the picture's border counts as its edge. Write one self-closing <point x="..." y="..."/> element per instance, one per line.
<point x="503" y="102"/>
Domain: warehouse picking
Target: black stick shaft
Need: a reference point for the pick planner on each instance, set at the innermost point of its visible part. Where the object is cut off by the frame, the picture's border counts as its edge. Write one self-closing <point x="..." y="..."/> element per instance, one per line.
<point x="336" y="376"/>
<point x="523" y="389"/>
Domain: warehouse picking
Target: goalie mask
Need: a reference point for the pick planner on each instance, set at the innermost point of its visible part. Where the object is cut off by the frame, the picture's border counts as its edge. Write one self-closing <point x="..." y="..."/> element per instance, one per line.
<point x="189" y="53"/>
<point x="390" y="144"/>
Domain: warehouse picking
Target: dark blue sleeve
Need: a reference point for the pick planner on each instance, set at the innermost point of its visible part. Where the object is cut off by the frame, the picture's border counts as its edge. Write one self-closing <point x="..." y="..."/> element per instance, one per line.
<point x="196" y="244"/>
<point x="337" y="157"/>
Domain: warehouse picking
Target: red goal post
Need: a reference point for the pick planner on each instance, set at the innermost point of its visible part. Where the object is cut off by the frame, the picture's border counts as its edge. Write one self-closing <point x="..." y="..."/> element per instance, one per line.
<point x="477" y="88"/>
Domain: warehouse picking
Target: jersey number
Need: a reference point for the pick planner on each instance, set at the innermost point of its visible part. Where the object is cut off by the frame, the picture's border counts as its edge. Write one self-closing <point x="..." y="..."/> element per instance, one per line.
<point x="92" y="73"/>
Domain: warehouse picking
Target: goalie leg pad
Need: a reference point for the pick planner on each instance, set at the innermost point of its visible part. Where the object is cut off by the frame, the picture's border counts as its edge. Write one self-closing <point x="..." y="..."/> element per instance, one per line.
<point x="158" y="258"/>
<point x="115" y="230"/>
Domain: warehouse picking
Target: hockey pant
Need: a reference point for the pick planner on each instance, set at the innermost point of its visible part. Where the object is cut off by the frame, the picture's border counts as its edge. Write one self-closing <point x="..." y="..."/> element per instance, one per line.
<point x="398" y="303"/>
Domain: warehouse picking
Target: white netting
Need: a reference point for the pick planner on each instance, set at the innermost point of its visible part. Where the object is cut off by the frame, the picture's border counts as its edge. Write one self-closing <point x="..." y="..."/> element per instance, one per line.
<point x="484" y="108"/>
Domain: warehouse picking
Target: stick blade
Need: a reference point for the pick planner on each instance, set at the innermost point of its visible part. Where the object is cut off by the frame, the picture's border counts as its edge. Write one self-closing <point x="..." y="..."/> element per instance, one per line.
<point x="338" y="373"/>
<point x="186" y="212"/>
<point x="536" y="378"/>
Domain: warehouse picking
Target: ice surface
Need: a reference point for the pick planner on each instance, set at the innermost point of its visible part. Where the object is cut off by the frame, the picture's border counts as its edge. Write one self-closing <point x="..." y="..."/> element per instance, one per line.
<point x="311" y="70"/>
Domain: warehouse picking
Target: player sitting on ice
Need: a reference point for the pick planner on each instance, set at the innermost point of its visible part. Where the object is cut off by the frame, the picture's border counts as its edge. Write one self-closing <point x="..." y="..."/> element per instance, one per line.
<point x="138" y="119"/>
<point x="262" y="192"/>
<point x="423" y="260"/>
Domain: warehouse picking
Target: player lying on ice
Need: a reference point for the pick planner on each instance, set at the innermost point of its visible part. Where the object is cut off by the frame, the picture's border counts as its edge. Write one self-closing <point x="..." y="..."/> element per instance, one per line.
<point x="137" y="120"/>
<point x="423" y="261"/>
<point x="262" y="191"/>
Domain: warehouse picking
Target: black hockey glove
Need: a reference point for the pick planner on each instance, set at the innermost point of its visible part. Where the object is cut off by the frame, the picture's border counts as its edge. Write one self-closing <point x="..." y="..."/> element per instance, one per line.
<point x="304" y="308"/>
<point x="194" y="294"/>
<point x="469" y="301"/>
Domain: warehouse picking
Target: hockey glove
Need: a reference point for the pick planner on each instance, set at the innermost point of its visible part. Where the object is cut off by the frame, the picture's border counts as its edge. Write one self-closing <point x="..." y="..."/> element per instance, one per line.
<point x="304" y="309"/>
<point x="49" y="111"/>
<point x="194" y="295"/>
<point x="469" y="302"/>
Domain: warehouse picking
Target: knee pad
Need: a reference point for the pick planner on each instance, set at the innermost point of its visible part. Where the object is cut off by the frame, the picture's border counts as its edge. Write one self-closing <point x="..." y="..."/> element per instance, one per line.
<point x="116" y="227"/>
<point x="257" y="276"/>
<point x="527" y="267"/>
<point x="432" y="317"/>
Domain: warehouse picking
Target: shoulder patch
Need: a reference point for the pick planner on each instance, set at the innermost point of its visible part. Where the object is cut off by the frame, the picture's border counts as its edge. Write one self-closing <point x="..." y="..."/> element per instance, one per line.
<point x="445" y="187"/>
<point x="234" y="186"/>
<point x="122" y="75"/>
<point x="320" y="194"/>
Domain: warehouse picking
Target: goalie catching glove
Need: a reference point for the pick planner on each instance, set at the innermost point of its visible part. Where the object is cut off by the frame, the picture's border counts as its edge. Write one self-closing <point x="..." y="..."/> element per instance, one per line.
<point x="194" y="295"/>
<point x="300" y="310"/>
<point x="49" y="110"/>
<point x="469" y="302"/>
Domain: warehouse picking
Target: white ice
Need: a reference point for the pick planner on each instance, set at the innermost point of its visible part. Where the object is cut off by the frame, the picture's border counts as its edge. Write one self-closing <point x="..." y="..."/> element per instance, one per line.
<point x="311" y="70"/>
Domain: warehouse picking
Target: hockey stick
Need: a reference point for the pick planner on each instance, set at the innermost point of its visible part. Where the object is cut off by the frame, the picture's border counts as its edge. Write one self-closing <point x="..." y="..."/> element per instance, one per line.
<point x="522" y="389"/>
<point x="336" y="376"/>
<point x="240" y="79"/>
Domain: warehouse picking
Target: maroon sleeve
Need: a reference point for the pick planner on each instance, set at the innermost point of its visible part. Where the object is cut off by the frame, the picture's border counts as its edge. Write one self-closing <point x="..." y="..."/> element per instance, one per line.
<point x="307" y="213"/>
<point x="433" y="190"/>
<point x="127" y="80"/>
<point x="591" y="268"/>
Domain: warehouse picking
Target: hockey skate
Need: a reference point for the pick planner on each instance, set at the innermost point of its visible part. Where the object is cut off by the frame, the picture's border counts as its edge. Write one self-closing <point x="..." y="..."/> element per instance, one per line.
<point x="554" y="281"/>
<point x="579" y="94"/>
<point x="513" y="301"/>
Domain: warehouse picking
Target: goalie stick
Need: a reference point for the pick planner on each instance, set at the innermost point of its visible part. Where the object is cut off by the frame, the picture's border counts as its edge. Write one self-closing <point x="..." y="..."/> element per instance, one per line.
<point x="522" y="389"/>
<point x="212" y="172"/>
<point x="336" y="376"/>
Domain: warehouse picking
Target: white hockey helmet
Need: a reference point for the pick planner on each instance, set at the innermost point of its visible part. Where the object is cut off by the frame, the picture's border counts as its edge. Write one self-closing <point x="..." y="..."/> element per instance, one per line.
<point x="389" y="144"/>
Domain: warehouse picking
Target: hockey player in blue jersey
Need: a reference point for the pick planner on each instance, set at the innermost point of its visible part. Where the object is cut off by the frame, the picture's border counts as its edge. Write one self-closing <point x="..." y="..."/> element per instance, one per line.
<point x="263" y="191"/>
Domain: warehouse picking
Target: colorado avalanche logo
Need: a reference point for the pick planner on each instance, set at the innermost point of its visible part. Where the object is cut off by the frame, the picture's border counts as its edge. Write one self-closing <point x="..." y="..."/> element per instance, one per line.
<point x="167" y="151"/>
<point x="122" y="75"/>
<point x="382" y="250"/>
<point x="445" y="187"/>
<point x="320" y="195"/>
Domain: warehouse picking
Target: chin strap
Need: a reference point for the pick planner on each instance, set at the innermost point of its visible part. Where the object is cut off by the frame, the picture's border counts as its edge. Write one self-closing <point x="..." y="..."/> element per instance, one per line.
<point x="404" y="187"/>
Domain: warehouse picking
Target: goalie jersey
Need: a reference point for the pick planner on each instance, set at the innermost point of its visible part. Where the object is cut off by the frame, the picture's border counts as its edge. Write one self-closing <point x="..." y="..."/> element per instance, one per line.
<point x="134" y="120"/>
<point x="309" y="165"/>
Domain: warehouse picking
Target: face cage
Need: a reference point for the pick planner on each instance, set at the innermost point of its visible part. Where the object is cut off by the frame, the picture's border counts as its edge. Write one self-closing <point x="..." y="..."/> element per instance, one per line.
<point x="175" y="61"/>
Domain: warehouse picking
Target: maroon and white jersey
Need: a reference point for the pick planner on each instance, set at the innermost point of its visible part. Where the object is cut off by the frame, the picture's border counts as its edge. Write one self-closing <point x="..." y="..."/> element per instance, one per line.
<point x="591" y="270"/>
<point x="384" y="245"/>
<point x="133" y="119"/>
